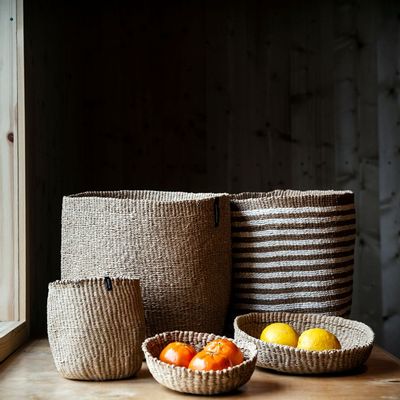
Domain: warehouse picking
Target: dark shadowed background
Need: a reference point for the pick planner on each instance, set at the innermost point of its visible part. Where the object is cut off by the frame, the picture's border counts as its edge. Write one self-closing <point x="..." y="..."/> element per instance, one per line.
<point x="218" y="96"/>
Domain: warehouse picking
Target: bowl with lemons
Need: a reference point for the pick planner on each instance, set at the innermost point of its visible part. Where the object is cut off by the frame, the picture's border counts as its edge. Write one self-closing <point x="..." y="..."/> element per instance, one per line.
<point x="304" y="343"/>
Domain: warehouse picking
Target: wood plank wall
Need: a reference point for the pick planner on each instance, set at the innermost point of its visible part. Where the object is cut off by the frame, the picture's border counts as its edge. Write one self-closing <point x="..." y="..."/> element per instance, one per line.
<point x="389" y="167"/>
<point x="8" y="163"/>
<point x="217" y="96"/>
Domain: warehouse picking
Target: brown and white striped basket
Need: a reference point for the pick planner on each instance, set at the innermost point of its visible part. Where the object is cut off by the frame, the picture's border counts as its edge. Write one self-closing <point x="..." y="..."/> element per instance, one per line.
<point x="96" y="327"/>
<point x="293" y="251"/>
<point x="355" y="338"/>
<point x="178" y="244"/>
<point x="186" y="380"/>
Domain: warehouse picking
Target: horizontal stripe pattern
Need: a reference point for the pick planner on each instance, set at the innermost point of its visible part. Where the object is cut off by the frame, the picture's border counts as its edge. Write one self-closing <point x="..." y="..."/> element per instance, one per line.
<point x="292" y="264"/>
<point x="290" y="286"/>
<point x="293" y="258"/>
<point x="290" y="300"/>
<point x="310" y="276"/>
<point x="282" y="213"/>
<point x="284" y="272"/>
<point x="301" y="224"/>
<point x="301" y="244"/>
<point x="290" y="255"/>
<point x="306" y="296"/>
<point x="283" y="219"/>
<point x="293" y="233"/>
<point x="339" y="308"/>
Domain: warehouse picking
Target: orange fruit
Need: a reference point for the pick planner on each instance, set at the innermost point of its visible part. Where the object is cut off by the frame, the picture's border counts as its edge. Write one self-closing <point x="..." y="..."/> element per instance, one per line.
<point x="208" y="361"/>
<point x="178" y="353"/>
<point x="227" y="348"/>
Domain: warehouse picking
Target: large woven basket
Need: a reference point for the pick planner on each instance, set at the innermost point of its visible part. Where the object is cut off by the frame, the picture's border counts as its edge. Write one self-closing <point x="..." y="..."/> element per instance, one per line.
<point x="355" y="337"/>
<point x="186" y="380"/>
<point x="177" y="244"/>
<point x="293" y="251"/>
<point x="96" y="328"/>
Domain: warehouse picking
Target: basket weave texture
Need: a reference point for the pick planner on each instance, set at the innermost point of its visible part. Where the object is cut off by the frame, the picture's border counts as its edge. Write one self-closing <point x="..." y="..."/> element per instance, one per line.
<point x="178" y="244"/>
<point x="293" y="251"/>
<point x="95" y="333"/>
<point x="355" y="337"/>
<point x="197" y="382"/>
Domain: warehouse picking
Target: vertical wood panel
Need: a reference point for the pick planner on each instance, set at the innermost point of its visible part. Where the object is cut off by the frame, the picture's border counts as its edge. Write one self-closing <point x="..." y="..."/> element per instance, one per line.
<point x="8" y="162"/>
<point x="368" y="251"/>
<point x="357" y="147"/>
<point x="312" y="96"/>
<point x="389" y="167"/>
<point x="268" y="127"/>
<point x="13" y="261"/>
<point x="218" y="108"/>
<point x="304" y="75"/>
<point x="274" y="17"/>
<point x="242" y="171"/>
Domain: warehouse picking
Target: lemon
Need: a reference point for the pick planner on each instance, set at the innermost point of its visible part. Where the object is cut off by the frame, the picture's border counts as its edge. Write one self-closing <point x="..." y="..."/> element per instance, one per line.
<point x="318" y="339"/>
<point x="280" y="333"/>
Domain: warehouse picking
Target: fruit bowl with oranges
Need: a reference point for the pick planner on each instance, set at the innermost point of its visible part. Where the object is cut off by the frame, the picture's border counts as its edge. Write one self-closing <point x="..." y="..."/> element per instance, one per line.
<point x="305" y="343"/>
<point x="199" y="363"/>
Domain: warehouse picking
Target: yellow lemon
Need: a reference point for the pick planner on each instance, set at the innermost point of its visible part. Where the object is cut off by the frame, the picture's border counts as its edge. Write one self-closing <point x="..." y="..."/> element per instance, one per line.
<point x="318" y="339"/>
<point x="280" y="333"/>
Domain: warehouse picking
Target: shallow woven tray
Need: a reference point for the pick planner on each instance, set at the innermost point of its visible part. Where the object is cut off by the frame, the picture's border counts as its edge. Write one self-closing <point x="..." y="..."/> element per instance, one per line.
<point x="355" y="337"/>
<point x="185" y="380"/>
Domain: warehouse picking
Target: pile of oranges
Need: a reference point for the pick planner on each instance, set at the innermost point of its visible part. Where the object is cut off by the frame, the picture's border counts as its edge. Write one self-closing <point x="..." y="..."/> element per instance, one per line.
<point x="216" y="355"/>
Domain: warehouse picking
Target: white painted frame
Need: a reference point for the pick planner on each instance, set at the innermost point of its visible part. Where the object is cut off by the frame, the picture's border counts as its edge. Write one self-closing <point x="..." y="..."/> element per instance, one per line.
<point x="14" y="326"/>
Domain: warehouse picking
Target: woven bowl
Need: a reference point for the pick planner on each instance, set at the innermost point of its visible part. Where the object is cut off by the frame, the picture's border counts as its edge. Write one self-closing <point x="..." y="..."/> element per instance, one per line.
<point x="185" y="380"/>
<point x="355" y="337"/>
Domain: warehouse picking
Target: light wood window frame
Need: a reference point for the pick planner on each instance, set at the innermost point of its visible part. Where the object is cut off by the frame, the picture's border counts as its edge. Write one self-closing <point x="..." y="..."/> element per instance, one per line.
<point x="14" y="321"/>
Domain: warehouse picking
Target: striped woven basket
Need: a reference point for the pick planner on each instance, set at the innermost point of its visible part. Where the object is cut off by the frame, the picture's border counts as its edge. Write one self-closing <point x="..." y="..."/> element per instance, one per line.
<point x="177" y="244"/>
<point x="186" y="380"/>
<point x="96" y="327"/>
<point x="355" y="338"/>
<point x="293" y="251"/>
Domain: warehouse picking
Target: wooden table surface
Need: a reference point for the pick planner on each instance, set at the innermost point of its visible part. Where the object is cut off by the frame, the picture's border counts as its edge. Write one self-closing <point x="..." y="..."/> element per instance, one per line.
<point x="30" y="374"/>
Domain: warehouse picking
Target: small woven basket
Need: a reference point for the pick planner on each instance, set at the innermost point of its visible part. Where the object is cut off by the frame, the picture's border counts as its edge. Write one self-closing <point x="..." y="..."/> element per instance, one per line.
<point x="96" y="327"/>
<point x="355" y="337"/>
<point x="186" y="380"/>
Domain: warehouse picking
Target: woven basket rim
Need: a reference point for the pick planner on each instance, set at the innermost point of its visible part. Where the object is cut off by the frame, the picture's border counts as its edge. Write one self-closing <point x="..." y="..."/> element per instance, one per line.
<point x="92" y="280"/>
<point x="122" y="195"/>
<point x="288" y="193"/>
<point x="366" y="330"/>
<point x="251" y="347"/>
<point x="154" y="203"/>
<point x="292" y="199"/>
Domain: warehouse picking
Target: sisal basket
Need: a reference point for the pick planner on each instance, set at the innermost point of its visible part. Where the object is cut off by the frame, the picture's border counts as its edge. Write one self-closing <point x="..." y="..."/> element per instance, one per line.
<point x="177" y="244"/>
<point x="293" y="251"/>
<point x="355" y="338"/>
<point x="186" y="380"/>
<point x="95" y="332"/>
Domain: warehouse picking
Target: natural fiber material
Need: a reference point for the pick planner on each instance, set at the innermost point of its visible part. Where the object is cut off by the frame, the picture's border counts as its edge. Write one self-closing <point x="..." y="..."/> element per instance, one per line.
<point x="293" y="251"/>
<point x="95" y="332"/>
<point x="177" y="244"/>
<point x="355" y="338"/>
<point x="198" y="382"/>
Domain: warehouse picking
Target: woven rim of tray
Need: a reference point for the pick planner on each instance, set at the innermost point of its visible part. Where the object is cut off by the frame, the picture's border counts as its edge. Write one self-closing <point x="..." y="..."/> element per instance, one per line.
<point x="207" y="382"/>
<point x="326" y="361"/>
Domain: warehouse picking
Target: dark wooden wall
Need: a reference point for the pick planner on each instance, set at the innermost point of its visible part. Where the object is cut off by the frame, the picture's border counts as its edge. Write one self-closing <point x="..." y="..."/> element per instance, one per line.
<point x="207" y="96"/>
